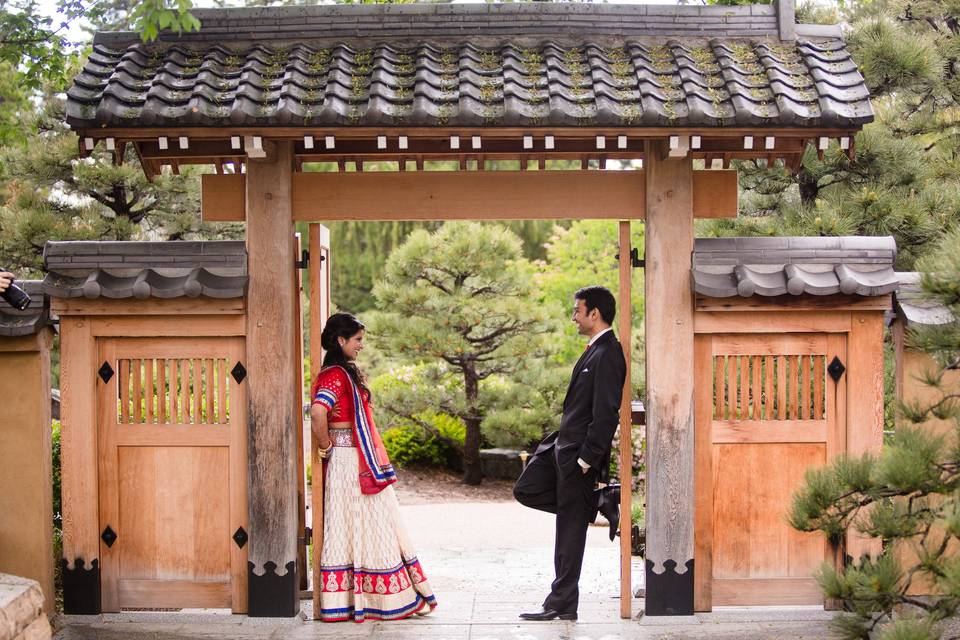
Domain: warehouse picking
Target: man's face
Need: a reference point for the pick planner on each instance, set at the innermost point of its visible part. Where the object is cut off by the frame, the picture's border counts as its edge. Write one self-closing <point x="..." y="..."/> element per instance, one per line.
<point x="586" y="321"/>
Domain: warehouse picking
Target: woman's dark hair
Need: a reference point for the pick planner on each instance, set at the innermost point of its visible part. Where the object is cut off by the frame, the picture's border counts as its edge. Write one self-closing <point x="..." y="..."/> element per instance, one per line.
<point x="599" y="298"/>
<point x="342" y="325"/>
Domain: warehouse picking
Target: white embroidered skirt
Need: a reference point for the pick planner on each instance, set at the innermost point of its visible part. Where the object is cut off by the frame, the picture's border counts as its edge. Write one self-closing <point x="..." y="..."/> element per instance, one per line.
<point x="368" y="566"/>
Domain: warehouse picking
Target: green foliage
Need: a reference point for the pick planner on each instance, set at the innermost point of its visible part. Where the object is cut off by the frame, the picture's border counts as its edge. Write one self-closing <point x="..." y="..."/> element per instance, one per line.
<point x="150" y="17"/>
<point x="909" y="496"/>
<point x="408" y="445"/>
<point x="477" y="324"/>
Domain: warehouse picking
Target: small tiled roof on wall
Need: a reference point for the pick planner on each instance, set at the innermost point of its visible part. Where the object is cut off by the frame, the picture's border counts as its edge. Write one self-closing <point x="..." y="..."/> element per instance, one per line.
<point x="472" y="65"/>
<point x="14" y="322"/>
<point x="820" y="266"/>
<point x="215" y="269"/>
<point x="915" y="306"/>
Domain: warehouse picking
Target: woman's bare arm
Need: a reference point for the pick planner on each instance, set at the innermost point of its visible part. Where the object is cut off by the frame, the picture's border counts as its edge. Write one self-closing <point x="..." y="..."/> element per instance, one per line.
<point x="319" y="425"/>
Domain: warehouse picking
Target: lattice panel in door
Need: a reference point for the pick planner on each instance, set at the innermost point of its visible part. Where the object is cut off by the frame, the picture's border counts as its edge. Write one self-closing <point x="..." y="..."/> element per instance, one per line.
<point x="174" y="390"/>
<point x="769" y="387"/>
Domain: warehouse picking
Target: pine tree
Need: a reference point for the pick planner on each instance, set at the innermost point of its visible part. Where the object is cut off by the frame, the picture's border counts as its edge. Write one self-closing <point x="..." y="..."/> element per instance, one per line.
<point x="909" y="496"/>
<point x="461" y="299"/>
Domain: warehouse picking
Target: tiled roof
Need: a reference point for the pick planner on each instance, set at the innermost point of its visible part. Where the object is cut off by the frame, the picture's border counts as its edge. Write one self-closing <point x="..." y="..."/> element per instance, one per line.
<point x="14" y="322"/>
<point x="142" y="270"/>
<point x="727" y="267"/>
<point x="591" y="65"/>
<point x="915" y="306"/>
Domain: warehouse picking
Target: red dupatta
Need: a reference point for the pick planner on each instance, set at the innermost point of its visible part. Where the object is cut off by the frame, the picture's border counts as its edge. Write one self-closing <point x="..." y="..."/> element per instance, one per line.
<point x="376" y="472"/>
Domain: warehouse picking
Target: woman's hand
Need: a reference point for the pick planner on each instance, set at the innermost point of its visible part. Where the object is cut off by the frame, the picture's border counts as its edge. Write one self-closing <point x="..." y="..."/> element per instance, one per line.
<point x="320" y="427"/>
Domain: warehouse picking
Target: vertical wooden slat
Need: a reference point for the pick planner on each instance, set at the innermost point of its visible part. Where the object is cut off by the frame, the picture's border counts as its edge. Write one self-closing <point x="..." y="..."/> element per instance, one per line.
<point x="208" y="387"/>
<point x="792" y="392"/>
<point x="805" y="385"/>
<point x="136" y="366"/>
<point x="197" y="392"/>
<point x="744" y="363"/>
<point x="148" y="392"/>
<point x="718" y="400"/>
<point x="818" y="372"/>
<point x="626" y="424"/>
<point x="768" y="388"/>
<point x="174" y="392"/>
<point x="756" y="387"/>
<point x="318" y="314"/>
<point x="124" y="383"/>
<point x="162" y="390"/>
<point x="221" y="390"/>
<point x="781" y="388"/>
<point x="185" y="391"/>
<point x="731" y="408"/>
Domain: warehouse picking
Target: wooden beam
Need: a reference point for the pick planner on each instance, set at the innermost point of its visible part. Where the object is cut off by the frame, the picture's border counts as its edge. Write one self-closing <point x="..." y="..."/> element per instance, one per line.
<point x="270" y="359"/>
<point x="487" y="195"/>
<point x="626" y="425"/>
<point x="670" y="388"/>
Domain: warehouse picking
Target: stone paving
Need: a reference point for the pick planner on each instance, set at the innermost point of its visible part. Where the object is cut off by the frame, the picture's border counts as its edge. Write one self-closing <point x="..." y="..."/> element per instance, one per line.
<point x="487" y="562"/>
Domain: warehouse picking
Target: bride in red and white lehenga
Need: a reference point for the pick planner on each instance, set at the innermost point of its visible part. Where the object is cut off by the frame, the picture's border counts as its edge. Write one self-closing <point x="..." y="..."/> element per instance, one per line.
<point x="368" y="567"/>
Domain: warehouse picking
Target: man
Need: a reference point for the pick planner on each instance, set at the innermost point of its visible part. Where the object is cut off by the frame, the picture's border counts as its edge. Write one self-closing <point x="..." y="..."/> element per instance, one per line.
<point x="560" y="477"/>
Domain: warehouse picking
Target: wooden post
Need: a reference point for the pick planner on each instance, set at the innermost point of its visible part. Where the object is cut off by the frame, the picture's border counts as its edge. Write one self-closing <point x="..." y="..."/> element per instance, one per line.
<point x="670" y="382"/>
<point x="319" y="311"/>
<point x="78" y="445"/>
<point x="626" y="426"/>
<point x="298" y="407"/>
<point x="271" y="306"/>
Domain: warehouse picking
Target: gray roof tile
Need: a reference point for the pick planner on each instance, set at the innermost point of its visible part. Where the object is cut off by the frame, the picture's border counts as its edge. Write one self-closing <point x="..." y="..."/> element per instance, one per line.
<point x="14" y="322"/>
<point x="143" y="270"/>
<point x="915" y="306"/>
<point x="727" y="267"/>
<point x="560" y="65"/>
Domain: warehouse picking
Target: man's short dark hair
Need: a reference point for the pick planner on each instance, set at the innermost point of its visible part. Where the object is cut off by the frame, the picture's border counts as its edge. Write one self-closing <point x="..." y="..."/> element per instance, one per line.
<point x="599" y="298"/>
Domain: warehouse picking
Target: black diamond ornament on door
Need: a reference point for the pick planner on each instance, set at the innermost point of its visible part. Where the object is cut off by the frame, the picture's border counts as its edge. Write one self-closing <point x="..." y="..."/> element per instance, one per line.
<point x="836" y="369"/>
<point x="105" y="371"/>
<point x="109" y="536"/>
<point x="240" y="537"/>
<point x="239" y="372"/>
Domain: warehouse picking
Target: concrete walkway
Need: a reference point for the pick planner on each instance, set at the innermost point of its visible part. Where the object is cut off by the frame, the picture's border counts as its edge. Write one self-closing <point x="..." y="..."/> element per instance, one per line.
<point x="487" y="562"/>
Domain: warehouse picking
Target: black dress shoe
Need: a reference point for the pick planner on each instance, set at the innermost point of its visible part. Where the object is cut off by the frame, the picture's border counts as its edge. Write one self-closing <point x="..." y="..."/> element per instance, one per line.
<point x="609" y="506"/>
<point x="548" y="614"/>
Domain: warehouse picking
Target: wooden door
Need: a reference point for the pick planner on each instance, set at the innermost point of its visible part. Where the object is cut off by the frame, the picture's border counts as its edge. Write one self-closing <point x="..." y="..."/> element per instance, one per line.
<point x="173" y="491"/>
<point x="767" y="410"/>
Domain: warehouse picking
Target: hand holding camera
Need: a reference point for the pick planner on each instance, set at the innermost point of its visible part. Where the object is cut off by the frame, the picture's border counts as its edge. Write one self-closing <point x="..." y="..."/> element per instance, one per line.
<point x="14" y="295"/>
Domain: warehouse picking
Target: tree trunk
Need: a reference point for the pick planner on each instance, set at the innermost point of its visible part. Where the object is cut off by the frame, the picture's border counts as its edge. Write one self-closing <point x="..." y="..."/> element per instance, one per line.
<point x="809" y="189"/>
<point x="472" y="473"/>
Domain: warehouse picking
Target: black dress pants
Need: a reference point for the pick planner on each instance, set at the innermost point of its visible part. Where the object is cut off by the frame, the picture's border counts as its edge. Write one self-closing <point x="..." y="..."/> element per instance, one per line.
<point x="567" y="492"/>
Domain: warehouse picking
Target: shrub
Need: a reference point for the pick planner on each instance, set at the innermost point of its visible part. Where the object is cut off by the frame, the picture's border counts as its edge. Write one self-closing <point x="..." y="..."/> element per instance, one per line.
<point x="411" y="444"/>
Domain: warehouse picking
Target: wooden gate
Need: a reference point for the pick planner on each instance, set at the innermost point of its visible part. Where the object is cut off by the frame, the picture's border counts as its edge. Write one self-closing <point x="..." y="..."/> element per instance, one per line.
<point x="767" y="409"/>
<point x="172" y="441"/>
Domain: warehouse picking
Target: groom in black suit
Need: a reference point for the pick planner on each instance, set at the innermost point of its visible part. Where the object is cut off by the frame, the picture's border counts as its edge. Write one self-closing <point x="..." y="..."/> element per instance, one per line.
<point x="560" y="477"/>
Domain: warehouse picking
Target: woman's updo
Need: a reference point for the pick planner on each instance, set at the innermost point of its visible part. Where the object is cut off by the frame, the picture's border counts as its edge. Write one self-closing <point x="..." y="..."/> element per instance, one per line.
<point x="341" y="325"/>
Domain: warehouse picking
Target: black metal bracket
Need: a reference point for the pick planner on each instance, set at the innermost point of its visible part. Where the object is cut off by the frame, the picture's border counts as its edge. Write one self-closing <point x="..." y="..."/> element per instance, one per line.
<point x="240" y="537"/>
<point x="304" y="260"/>
<point x="239" y="372"/>
<point x="105" y="372"/>
<point x="836" y="369"/>
<point x="635" y="260"/>
<point x="109" y="536"/>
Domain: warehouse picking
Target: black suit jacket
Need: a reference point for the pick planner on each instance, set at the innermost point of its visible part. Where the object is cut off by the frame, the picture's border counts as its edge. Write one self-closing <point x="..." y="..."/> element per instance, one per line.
<point x="591" y="408"/>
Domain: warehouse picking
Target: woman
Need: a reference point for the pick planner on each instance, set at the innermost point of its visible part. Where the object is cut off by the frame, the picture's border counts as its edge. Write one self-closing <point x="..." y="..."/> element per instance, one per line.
<point x="368" y="568"/>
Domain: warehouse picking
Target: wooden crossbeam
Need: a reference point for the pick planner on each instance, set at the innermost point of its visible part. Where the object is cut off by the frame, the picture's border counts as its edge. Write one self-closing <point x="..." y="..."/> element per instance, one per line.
<point x="482" y="195"/>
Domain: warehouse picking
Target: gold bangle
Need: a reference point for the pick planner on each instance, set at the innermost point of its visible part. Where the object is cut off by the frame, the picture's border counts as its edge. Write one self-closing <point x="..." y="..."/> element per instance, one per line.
<point x="325" y="453"/>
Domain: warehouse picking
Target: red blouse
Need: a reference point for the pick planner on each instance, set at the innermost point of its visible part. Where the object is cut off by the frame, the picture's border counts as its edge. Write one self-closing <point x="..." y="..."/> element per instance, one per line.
<point x="333" y="392"/>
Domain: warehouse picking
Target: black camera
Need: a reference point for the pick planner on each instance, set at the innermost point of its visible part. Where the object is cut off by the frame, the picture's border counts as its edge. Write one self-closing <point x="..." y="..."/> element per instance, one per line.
<point x="15" y="296"/>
